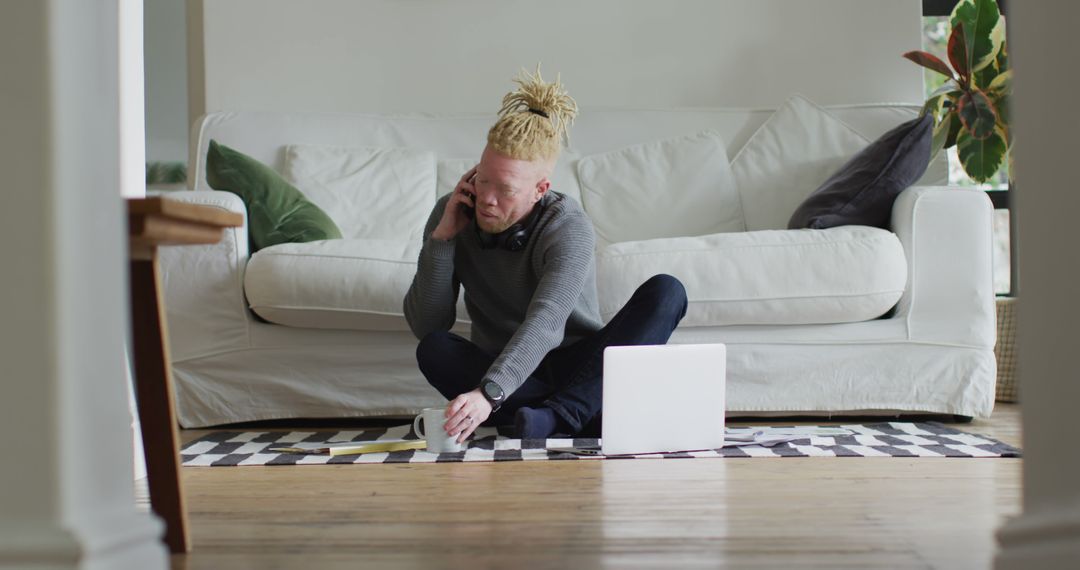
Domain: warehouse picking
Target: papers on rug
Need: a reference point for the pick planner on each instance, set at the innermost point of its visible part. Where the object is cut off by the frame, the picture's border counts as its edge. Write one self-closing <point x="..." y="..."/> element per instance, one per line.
<point x="351" y="447"/>
<point x="770" y="436"/>
<point x="739" y="437"/>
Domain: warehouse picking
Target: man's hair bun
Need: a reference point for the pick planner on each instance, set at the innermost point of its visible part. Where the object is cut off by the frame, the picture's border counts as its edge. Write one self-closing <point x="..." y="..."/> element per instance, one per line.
<point x="534" y="119"/>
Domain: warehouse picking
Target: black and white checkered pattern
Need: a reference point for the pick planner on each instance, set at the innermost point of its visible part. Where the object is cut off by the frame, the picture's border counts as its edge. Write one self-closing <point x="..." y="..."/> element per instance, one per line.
<point x="887" y="439"/>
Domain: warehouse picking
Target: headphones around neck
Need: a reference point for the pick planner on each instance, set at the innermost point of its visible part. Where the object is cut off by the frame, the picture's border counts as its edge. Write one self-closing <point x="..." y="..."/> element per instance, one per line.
<point x="516" y="237"/>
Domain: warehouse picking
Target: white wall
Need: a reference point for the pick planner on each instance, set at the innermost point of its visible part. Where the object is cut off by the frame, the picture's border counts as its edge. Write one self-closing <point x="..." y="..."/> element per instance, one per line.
<point x="132" y="121"/>
<point x="166" y="80"/>
<point x="1047" y="534"/>
<point x="459" y="56"/>
<point x="66" y="490"/>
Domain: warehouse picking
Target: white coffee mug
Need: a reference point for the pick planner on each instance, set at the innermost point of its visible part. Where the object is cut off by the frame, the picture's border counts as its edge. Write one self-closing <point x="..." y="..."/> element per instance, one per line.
<point x="438" y="441"/>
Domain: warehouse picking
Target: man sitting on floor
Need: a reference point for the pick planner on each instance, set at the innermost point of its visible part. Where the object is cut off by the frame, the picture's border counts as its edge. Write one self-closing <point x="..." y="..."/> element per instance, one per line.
<point x="524" y="255"/>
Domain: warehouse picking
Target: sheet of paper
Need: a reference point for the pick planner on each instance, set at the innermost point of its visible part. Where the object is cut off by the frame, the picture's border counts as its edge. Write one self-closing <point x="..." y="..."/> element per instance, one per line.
<point x="770" y="436"/>
<point x="344" y="447"/>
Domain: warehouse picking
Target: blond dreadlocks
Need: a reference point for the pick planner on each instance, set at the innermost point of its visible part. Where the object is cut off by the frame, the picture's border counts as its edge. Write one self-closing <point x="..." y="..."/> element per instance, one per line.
<point x="534" y="120"/>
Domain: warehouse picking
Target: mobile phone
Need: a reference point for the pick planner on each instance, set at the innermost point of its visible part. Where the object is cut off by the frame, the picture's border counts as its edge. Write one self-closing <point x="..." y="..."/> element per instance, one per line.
<point x="469" y="211"/>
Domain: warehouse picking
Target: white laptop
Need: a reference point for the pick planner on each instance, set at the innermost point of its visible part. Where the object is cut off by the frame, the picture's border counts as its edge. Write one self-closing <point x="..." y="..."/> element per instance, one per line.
<point x="663" y="398"/>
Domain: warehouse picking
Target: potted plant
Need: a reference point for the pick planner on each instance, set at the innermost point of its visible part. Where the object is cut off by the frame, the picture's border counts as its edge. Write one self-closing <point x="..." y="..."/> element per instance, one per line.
<point x="971" y="111"/>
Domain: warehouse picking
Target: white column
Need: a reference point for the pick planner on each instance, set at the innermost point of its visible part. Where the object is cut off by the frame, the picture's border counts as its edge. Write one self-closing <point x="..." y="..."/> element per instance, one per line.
<point x="1047" y="533"/>
<point x="66" y="489"/>
<point x="132" y="156"/>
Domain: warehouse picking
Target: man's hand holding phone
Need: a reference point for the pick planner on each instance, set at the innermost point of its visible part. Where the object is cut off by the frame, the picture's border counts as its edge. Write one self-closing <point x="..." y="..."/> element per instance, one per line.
<point x="460" y="209"/>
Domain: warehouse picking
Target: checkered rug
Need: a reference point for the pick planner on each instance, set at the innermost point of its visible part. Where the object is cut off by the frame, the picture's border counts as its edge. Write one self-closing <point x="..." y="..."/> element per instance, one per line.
<point x="886" y="439"/>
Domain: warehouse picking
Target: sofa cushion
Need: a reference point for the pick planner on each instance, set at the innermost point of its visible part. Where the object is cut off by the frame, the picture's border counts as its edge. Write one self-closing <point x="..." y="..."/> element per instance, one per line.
<point x="371" y="192"/>
<point x="770" y="277"/>
<point x="862" y="192"/>
<point x="563" y="178"/>
<point x="338" y="284"/>
<point x="789" y="156"/>
<point x="277" y="212"/>
<point x="669" y="188"/>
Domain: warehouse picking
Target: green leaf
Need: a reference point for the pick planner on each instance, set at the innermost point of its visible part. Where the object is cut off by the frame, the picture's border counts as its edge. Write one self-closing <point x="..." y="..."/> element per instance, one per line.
<point x="986" y="75"/>
<point x="984" y="31"/>
<point x="942" y="131"/>
<point x="1002" y="61"/>
<point x="1001" y="85"/>
<point x="955" y="126"/>
<point x="1011" y="166"/>
<point x="977" y="113"/>
<point x="931" y="62"/>
<point x="949" y="88"/>
<point x="932" y="105"/>
<point x="1001" y="104"/>
<point x="981" y="158"/>
<point x="957" y="50"/>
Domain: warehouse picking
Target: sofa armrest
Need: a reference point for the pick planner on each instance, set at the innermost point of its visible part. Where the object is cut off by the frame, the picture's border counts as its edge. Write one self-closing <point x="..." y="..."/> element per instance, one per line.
<point x="947" y="235"/>
<point x="203" y="285"/>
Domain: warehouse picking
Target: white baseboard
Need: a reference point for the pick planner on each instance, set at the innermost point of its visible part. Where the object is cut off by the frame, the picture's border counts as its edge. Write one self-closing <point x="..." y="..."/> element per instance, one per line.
<point x="1047" y="539"/>
<point x="128" y="539"/>
<point x="37" y="545"/>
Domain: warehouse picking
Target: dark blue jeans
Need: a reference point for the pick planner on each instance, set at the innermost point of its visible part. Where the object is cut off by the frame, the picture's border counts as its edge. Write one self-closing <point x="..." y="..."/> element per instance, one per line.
<point x="569" y="378"/>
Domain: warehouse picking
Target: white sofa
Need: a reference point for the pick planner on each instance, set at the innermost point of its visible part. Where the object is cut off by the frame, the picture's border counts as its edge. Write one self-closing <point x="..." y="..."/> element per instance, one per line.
<point x="849" y="320"/>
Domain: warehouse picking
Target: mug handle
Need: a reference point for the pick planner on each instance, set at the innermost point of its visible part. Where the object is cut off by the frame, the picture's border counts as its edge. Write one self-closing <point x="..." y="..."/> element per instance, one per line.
<point x="416" y="426"/>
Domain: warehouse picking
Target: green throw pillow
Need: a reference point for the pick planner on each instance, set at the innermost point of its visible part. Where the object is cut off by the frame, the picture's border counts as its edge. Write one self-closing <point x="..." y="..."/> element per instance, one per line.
<point x="277" y="211"/>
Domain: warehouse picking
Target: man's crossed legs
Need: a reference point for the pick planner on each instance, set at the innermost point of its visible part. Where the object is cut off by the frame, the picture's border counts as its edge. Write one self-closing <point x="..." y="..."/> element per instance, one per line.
<point x="564" y="393"/>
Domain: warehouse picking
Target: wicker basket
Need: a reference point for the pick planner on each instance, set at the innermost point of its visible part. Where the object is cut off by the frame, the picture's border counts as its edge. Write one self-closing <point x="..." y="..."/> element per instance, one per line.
<point x="1005" y="350"/>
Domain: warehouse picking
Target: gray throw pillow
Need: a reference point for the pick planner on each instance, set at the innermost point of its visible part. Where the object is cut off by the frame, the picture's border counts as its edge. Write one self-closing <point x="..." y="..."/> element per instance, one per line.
<point x="862" y="192"/>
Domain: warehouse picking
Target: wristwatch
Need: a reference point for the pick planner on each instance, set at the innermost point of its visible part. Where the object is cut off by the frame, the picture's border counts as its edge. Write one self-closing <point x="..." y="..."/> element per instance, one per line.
<point x="493" y="393"/>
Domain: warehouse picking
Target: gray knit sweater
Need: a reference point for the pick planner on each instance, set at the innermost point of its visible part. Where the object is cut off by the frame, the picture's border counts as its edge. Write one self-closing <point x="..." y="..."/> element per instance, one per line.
<point x="522" y="303"/>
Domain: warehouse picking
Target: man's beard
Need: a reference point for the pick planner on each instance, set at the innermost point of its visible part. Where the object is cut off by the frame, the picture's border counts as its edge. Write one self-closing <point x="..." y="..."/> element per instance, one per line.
<point x="493" y="226"/>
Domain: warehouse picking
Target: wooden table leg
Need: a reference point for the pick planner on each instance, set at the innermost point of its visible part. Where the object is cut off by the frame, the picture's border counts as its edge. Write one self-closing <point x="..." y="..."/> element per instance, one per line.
<point x="154" y="395"/>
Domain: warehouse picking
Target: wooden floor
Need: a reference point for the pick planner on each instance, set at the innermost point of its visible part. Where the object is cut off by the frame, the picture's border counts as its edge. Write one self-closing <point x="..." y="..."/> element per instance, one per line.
<point x="688" y="513"/>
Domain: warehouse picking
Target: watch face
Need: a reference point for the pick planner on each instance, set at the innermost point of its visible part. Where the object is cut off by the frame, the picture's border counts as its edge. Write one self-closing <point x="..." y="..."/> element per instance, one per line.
<point x="493" y="391"/>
